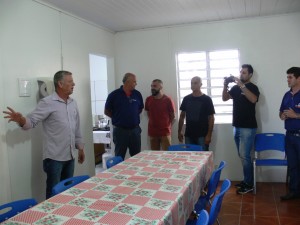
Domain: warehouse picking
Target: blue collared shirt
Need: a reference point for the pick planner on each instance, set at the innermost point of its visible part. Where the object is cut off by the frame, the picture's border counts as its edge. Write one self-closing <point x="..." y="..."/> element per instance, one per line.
<point x="61" y="127"/>
<point x="125" y="109"/>
<point x="291" y="101"/>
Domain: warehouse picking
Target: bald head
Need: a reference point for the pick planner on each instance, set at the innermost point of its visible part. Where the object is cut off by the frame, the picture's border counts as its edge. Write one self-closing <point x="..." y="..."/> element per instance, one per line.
<point x="196" y="83"/>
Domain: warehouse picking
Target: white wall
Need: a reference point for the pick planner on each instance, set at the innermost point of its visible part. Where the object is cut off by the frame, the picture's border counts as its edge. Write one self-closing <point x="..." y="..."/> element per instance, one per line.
<point x="30" y="47"/>
<point x="270" y="44"/>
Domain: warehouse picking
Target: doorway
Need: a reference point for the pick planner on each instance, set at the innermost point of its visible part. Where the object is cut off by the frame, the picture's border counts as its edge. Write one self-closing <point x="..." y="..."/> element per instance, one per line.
<point x="99" y="92"/>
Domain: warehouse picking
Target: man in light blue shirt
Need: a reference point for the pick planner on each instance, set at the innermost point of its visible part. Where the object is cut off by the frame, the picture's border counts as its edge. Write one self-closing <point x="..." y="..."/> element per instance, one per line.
<point x="61" y="130"/>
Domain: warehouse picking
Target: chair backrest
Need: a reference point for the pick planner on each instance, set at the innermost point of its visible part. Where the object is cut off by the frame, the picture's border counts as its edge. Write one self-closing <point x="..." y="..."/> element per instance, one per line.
<point x="68" y="183"/>
<point x="217" y="202"/>
<point x="203" y="218"/>
<point x="15" y="207"/>
<point x="185" y="147"/>
<point x="269" y="141"/>
<point x="113" y="161"/>
<point x="214" y="180"/>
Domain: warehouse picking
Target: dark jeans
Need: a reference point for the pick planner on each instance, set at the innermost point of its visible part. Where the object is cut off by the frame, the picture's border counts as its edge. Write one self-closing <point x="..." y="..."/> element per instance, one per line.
<point x="56" y="171"/>
<point x="197" y="141"/>
<point x="127" y="138"/>
<point x="292" y="149"/>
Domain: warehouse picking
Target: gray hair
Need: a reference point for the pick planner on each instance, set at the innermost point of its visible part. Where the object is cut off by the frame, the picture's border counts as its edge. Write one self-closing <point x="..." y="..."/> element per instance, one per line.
<point x="60" y="76"/>
<point x="126" y="76"/>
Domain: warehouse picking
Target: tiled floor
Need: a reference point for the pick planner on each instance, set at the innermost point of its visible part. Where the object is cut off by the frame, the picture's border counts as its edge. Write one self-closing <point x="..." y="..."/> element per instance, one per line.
<point x="264" y="208"/>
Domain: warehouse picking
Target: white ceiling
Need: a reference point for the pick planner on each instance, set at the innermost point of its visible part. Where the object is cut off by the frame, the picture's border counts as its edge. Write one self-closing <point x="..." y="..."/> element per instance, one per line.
<point x="125" y="15"/>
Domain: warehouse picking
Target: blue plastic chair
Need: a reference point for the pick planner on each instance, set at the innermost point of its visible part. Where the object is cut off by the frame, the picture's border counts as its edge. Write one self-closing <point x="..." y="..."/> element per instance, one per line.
<point x="185" y="147"/>
<point x="15" y="208"/>
<point x="203" y="219"/>
<point x="216" y="205"/>
<point x="271" y="142"/>
<point x="211" y="189"/>
<point x="217" y="202"/>
<point x="68" y="183"/>
<point x="113" y="161"/>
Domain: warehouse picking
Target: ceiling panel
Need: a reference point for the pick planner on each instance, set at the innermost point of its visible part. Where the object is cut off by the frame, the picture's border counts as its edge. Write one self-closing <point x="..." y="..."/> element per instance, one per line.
<point x="124" y="15"/>
<point x="253" y="7"/>
<point x="238" y="8"/>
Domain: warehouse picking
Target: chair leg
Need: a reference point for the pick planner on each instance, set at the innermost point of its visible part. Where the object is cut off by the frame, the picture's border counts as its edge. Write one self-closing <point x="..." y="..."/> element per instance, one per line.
<point x="254" y="177"/>
<point x="287" y="176"/>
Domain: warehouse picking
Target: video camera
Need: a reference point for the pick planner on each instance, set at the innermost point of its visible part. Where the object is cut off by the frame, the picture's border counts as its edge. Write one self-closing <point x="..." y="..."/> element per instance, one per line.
<point x="229" y="79"/>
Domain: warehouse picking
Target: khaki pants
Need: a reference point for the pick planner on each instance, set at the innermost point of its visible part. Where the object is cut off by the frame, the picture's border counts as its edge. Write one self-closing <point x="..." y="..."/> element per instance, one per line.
<point x="160" y="143"/>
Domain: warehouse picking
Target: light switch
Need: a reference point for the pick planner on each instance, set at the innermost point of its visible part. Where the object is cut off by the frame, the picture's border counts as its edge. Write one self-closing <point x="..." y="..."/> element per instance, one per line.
<point x="24" y="87"/>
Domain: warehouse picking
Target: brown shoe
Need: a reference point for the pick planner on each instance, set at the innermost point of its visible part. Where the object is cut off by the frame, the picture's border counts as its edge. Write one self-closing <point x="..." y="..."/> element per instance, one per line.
<point x="289" y="196"/>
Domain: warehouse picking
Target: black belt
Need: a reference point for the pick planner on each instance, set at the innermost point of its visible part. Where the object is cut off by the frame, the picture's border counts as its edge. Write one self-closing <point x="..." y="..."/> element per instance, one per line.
<point x="293" y="132"/>
<point x="127" y="128"/>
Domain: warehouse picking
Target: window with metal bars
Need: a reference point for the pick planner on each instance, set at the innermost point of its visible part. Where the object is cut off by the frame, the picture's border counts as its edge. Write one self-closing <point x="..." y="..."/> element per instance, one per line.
<point x="212" y="67"/>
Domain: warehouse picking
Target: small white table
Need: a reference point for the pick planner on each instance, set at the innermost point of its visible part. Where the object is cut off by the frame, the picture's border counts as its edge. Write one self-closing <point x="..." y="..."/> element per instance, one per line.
<point x="102" y="137"/>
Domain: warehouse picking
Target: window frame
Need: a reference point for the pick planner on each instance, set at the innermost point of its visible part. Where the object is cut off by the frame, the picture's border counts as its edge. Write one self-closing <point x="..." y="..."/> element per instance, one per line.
<point x="224" y="117"/>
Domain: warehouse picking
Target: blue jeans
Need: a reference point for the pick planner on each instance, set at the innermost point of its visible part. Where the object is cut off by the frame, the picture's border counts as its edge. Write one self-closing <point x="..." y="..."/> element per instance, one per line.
<point x="292" y="149"/>
<point x="127" y="138"/>
<point x="56" y="171"/>
<point x="244" y="140"/>
<point x="197" y="141"/>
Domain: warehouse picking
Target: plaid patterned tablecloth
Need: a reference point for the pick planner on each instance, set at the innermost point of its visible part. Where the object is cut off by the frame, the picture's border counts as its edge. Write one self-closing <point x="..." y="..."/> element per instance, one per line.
<point x="153" y="187"/>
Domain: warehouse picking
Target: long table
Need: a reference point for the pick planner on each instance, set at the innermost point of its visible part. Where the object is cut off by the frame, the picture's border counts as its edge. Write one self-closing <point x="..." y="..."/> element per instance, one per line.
<point x="152" y="187"/>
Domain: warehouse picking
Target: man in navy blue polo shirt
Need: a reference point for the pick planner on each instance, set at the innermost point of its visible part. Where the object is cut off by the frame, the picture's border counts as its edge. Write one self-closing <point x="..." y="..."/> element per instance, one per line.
<point x="290" y="113"/>
<point x="124" y="106"/>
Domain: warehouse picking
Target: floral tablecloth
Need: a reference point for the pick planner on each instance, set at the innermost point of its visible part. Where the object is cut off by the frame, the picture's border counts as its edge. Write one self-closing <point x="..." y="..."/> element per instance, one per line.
<point x="153" y="187"/>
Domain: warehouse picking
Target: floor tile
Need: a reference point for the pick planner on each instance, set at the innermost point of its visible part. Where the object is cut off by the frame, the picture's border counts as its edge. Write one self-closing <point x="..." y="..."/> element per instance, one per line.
<point x="289" y="209"/>
<point x="289" y="221"/>
<point x="247" y="209"/>
<point x="264" y="208"/>
<point x="232" y="197"/>
<point x="251" y="220"/>
<point x="229" y="220"/>
<point x="230" y="208"/>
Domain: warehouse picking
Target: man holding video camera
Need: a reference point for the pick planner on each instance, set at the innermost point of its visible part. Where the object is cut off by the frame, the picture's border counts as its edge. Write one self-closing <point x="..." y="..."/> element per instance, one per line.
<point x="245" y="95"/>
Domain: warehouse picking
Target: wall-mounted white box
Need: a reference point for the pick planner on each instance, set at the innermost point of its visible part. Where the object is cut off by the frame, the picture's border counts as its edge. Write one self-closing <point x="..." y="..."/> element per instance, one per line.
<point x="24" y="87"/>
